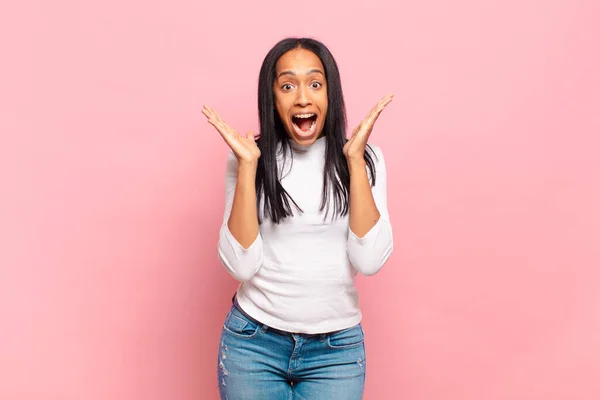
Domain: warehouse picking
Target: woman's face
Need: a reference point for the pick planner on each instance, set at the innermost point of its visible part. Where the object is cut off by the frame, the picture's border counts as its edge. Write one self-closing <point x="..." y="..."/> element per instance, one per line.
<point x="301" y="95"/>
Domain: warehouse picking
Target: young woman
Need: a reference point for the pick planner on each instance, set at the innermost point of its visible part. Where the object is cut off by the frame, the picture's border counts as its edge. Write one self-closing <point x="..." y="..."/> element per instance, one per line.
<point x="305" y="211"/>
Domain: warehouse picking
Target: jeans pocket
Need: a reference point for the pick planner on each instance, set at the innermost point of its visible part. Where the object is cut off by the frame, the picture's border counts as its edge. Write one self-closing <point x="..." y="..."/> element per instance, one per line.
<point x="238" y="325"/>
<point x="346" y="338"/>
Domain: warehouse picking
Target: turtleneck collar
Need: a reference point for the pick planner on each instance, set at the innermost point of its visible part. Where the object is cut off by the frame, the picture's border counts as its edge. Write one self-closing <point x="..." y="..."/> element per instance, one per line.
<point x="318" y="144"/>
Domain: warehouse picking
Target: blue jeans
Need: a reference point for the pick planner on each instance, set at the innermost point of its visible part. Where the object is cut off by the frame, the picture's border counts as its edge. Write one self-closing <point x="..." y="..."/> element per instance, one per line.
<point x="258" y="362"/>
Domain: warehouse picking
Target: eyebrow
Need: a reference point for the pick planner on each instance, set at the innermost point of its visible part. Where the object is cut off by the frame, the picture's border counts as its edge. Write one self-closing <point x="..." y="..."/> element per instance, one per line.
<point x="289" y="72"/>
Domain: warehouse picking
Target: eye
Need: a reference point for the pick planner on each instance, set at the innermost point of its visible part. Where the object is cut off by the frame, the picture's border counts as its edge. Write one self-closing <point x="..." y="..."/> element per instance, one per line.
<point x="286" y="87"/>
<point x="316" y="85"/>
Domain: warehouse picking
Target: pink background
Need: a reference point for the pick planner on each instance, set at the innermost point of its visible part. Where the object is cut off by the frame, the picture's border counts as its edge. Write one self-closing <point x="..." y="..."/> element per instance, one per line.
<point x="112" y="191"/>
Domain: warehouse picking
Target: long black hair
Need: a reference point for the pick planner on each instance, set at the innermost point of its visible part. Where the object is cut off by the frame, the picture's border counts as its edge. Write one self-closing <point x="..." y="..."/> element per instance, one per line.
<point x="277" y="202"/>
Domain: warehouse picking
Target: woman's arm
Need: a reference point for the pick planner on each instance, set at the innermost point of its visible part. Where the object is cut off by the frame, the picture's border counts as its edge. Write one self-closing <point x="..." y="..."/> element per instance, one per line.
<point x="243" y="221"/>
<point x="364" y="213"/>
<point x="370" y="239"/>
<point x="240" y="245"/>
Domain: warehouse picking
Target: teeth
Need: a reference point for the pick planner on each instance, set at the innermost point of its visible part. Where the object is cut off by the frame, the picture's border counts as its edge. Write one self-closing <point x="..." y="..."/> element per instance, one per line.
<point x="304" y="115"/>
<point x="308" y="133"/>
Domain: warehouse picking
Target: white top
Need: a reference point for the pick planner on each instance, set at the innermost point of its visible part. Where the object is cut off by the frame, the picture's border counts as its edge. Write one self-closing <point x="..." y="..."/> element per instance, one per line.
<point x="298" y="276"/>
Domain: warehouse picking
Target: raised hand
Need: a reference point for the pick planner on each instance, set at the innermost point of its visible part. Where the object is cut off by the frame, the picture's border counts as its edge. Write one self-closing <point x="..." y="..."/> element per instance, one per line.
<point x="244" y="147"/>
<point x="354" y="149"/>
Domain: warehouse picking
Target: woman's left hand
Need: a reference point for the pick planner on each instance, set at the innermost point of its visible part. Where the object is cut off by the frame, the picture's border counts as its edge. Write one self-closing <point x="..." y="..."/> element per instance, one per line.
<point x="354" y="149"/>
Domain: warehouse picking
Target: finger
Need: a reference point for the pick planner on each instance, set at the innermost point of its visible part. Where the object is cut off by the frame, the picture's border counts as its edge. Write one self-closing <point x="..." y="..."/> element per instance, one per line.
<point x="209" y="109"/>
<point x="250" y="135"/>
<point x="386" y="100"/>
<point x="206" y="112"/>
<point x="376" y="111"/>
<point x="223" y="130"/>
<point x="379" y="107"/>
<point x="214" y="114"/>
<point x="218" y="122"/>
<point x="213" y="119"/>
<point x="217" y="125"/>
<point x="381" y="104"/>
<point x="217" y="116"/>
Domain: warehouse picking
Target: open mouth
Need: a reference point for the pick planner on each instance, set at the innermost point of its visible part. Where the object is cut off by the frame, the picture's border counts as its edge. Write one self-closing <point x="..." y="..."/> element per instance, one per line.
<point x="304" y="124"/>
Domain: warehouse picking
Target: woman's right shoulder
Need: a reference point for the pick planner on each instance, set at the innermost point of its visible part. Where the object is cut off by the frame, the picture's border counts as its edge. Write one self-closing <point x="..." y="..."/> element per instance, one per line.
<point x="231" y="158"/>
<point x="232" y="163"/>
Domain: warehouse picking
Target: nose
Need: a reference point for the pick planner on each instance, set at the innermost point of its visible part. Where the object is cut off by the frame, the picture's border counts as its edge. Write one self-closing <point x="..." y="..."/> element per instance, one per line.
<point x="302" y="97"/>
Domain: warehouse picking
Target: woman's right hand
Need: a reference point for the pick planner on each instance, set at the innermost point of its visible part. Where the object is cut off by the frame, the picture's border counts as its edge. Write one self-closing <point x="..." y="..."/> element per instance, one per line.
<point x="244" y="147"/>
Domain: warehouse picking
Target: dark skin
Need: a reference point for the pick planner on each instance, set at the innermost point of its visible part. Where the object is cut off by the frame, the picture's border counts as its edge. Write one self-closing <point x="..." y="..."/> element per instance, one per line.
<point x="300" y="87"/>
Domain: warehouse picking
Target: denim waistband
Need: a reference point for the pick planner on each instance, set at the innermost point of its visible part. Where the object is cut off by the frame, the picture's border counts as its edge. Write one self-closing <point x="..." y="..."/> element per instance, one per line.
<point x="241" y="310"/>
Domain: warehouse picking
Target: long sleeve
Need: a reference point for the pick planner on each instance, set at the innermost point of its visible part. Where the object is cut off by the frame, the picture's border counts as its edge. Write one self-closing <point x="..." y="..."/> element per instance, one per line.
<point x="369" y="253"/>
<point x="241" y="263"/>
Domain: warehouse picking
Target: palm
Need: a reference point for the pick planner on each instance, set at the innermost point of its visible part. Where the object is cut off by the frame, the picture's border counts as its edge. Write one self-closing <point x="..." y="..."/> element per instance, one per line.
<point x="355" y="146"/>
<point x="244" y="147"/>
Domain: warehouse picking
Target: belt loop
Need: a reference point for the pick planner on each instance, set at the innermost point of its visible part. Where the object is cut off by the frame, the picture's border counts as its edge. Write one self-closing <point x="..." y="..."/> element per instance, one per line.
<point x="264" y="328"/>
